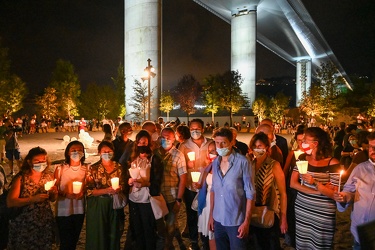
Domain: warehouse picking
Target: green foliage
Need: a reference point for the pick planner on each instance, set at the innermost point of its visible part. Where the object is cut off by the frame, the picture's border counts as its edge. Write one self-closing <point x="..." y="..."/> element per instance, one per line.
<point x="68" y="88"/>
<point x="277" y="106"/>
<point x="99" y="101"/>
<point x="13" y="92"/>
<point x="166" y="102"/>
<point x="139" y="101"/>
<point x="186" y="93"/>
<point x="119" y="83"/>
<point x="211" y="99"/>
<point x="48" y="102"/>
<point x="230" y="92"/>
<point x="260" y="106"/>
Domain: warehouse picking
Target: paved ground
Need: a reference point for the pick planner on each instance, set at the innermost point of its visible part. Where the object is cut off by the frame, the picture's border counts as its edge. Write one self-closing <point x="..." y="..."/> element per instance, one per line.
<point x="54" y="144"/>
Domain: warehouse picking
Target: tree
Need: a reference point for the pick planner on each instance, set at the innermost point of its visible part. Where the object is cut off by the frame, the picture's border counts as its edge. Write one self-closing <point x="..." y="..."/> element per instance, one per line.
<point x="48" y="102"/>
<point x="13" y="92"/>
<point x="99" y="101"/>
<point x="187" y="93"/>
<point x="211" y="97"/>
<point x="277" y="106"/>
<point x="68" y="88"/>
<point x="260" y="106"/>
<point x="166" y="103"/>
<point x="140" y="100"/>
<point x="310" y="102"/>
<point x="119" y="83"/>
<point x="231" y="96"/>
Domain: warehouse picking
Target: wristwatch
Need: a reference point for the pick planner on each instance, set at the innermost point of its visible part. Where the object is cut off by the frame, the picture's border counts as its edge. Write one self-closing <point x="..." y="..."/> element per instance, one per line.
<point x="179" y="200"/>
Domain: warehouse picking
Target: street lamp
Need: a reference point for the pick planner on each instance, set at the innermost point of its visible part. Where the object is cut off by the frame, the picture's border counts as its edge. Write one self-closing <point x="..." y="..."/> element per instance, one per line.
<point x="149" y="72"/>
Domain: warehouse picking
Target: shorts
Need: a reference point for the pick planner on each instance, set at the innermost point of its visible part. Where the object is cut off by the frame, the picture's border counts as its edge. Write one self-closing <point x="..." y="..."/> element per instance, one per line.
<point x="12" y="154"/>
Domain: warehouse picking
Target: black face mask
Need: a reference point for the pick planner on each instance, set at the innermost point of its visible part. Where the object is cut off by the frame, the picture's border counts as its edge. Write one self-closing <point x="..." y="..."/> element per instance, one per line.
<point x="144" y="149"/>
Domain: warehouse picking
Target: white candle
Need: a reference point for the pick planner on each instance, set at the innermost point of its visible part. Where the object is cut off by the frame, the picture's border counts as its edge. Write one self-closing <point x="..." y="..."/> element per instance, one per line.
<point x="341" y="172"/>
<point x="191" y="156"/>
<point x="195" y="176"/>
<point x="297" y="153"/>
<point x="302" y="166"/>
<point x="115" y="183"/>
<point x="49" y="184"/>
<point x="77" y="187"/>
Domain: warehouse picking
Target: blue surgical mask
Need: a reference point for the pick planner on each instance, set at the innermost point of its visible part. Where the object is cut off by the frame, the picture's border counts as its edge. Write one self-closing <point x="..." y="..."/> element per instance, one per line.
<point x="166" y="144"/>
<point x="106" y="156"/>
<point x="222" y="151"/>
<point x="76" y="156"/>
<point x="196" y="134"/>
<point x="40" y="167"/>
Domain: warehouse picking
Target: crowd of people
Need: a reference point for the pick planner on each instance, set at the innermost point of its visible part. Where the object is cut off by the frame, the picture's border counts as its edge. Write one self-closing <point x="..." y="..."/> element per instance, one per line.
<point x="247" y="195"/>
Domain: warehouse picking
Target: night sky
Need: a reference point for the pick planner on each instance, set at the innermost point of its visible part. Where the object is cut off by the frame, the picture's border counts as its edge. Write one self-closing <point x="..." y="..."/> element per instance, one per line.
<point x="90" y="34"/>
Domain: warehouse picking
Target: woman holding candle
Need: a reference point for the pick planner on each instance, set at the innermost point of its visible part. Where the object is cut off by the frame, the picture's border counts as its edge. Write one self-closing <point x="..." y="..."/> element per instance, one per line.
<point x="143" y="182"/>
<point x="314" y="207"/>
<point x="103" y="223"/>
<point x="70" y="177"/>
<point x="33" y="227"/>
<point x="268" y="178"/>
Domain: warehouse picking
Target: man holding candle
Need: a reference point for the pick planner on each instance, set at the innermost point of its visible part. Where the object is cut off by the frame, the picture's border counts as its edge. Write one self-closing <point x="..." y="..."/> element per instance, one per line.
<point x="359" y="190"/>
<point x="173" y="185"/>
<point x="198" y="144"/>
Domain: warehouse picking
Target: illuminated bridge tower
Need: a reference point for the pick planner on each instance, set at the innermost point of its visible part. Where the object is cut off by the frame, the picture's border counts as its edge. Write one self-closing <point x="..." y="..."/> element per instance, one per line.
<point x="243" y="48"/>
<point x="142" y="42"/>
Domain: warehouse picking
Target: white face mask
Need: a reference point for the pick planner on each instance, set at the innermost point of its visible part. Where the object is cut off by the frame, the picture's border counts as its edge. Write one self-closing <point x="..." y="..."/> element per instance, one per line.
<point x="40" y="167"/>
<point x="259" y="152"/>
<point x="212" y="156"/>
<point x="222" y="151"/>
<point x="76" y="156"/>
<point x="196" y="134"/>
<point x="106" y="156"/>
<point x="306" y="148"/>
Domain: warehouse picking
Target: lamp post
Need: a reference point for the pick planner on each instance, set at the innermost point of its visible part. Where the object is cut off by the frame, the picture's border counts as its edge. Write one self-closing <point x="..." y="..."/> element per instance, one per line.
<point x="149" y="72"/>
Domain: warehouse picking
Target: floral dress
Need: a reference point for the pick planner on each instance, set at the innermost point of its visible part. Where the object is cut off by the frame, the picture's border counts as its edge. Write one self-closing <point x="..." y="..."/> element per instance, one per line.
<point x="33" y="228"/>
<point x="103" y="223"/>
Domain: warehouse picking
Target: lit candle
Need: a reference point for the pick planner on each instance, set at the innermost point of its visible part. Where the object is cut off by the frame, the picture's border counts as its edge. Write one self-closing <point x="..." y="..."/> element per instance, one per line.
<point x="49" y="184"/>
<point x="195" y="176"/>
<point x="297" y="153"/>
<point x="115" y="183"/>
<point x="77" y="187"/>
<point x="302" y="167"/>
<point x="191" y="156"/>
<point x="341" y="172"/>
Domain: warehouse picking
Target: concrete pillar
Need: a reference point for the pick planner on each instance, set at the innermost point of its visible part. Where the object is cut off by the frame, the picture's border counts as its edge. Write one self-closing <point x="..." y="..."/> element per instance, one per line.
<point x="142" y="41"/>
<point x="243" y="49"/>
<point x="303" y="78"/>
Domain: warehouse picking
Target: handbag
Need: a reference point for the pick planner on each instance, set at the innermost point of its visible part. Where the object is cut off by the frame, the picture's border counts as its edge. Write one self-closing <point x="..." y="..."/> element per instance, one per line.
<point x="159" y="206"/>
<point x="119" y="200"/>
<point x="262" y="217"/>
<point x="194" y="204"/>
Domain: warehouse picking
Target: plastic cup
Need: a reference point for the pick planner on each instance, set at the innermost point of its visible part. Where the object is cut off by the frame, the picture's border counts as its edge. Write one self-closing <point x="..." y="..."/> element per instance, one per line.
<point x="115" y="183"/>
<point x="191" y="156"/>
<point x="77" y="185"/>
<point x="195" y="176"/>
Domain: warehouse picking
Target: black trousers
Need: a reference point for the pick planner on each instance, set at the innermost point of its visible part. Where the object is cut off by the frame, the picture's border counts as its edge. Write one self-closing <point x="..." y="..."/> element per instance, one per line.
<point x="69" y="230"/>
<point x="192" y="216"/>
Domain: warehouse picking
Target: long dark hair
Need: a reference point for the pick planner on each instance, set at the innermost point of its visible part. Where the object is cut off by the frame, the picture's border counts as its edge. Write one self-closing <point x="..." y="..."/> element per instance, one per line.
<point x="27" y="164"/>
<point x="324" y="149"/>
<point x="66" y="154"/>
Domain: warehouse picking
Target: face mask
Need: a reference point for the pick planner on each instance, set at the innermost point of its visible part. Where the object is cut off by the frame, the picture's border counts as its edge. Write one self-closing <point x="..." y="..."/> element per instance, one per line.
<point x="306" y="148"/>
<point x="106" y="156"/>
<point x="354" y="143"/>
<point x="39" y="167"/>
<point x="155" y="136"/>
<point x="259" y="152"/>
<point x="222" y="151"/>
<point x="144" y="149"/>
<point x="196" y="134"/>
<point x="76" y="156"/>
<point x="166" y="144"/>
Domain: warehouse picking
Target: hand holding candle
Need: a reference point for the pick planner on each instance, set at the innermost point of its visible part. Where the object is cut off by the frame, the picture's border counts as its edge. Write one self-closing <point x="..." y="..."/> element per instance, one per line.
<point x="191" y="156"/>
<point x="77" y="185"/>
<point x="195" y="176"/>
<point x="302" y="167"/>
<point x="341" y="172"/>
<point x="115" y="183"/>
<point x="297" y="153"/>
<point x="49" y="184"/>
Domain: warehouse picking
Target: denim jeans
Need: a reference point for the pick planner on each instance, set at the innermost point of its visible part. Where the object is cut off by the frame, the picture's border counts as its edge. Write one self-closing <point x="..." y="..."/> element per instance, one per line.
<point x="226" y="237"/>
